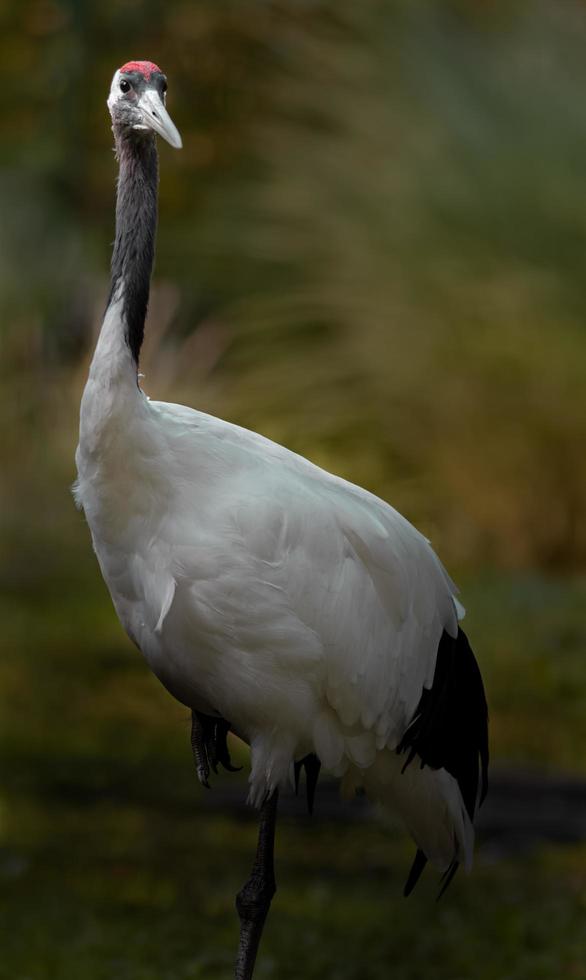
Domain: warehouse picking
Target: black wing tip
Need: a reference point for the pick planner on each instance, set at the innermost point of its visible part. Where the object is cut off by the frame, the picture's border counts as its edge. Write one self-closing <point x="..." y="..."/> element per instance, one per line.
<point x="447" y="878"/>
<point x="414" y="875"/>
<point x="419" y="862"/>
<point x="312" y="766"/>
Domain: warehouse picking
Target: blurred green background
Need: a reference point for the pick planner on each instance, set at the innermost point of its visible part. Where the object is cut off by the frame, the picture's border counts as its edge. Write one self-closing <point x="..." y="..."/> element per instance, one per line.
<point x="372" y="248"/>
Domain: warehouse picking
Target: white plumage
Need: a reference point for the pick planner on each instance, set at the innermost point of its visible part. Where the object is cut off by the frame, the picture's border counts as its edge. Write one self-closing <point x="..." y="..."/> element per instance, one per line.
<point x="300" y="607"/>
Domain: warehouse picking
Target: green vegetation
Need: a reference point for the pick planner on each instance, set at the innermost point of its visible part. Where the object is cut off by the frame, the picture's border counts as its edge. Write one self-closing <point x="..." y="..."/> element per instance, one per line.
<point x="372" y="249"/>
<point x="111" y="866"/>
<point x="140" y="893"/>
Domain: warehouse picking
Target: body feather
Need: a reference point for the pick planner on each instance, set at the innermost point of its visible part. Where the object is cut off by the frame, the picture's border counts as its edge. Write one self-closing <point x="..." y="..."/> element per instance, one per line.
<point x="259" y="587"/>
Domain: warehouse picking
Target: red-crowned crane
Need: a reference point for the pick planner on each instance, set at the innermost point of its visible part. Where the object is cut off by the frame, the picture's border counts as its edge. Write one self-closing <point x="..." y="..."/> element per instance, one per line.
<point x="271" y="598"/>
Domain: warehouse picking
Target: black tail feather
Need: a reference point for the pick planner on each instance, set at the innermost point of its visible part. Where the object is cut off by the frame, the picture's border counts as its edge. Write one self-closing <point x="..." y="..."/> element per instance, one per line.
<point x="447" y="877"/>
<point x="312" y="766"/>
<point x="417" y="867"/>
<point x="449" y="729"/>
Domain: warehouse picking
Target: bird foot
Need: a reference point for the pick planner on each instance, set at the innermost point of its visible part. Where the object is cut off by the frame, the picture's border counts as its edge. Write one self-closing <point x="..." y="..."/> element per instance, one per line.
<point x="209" y="746"/>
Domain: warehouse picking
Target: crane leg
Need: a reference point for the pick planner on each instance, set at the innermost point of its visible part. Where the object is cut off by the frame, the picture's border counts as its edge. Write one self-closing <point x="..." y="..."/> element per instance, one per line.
<point x="254" y="899"/>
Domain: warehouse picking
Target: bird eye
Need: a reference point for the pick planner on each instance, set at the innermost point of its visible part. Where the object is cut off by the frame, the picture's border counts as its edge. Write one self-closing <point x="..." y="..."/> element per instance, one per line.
<point x="164" y="85"/>
<point x="125" y="86"/>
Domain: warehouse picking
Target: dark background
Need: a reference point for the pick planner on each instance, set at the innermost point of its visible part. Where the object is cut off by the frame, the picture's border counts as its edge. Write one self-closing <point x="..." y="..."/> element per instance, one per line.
<point x="371" y="248"/>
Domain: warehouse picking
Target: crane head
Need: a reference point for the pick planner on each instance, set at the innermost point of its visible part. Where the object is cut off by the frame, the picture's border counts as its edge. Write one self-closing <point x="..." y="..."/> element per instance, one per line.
<point x="137" y="101"/>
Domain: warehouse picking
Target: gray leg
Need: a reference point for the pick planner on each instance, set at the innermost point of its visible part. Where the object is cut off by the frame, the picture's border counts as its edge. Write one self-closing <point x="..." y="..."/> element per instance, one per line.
<point x="253" y="901"/>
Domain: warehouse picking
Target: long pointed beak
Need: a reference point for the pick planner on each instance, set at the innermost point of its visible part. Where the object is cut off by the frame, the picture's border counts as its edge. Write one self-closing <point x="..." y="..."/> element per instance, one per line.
<point x="156" y="117"/>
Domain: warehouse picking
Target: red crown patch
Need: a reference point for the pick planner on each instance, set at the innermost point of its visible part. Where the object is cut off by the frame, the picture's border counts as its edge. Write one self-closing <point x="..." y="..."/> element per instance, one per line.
<point x="145" y="68"/>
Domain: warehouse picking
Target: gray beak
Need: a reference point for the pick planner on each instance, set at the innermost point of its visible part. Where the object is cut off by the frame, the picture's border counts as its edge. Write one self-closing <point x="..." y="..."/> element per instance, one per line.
<point x="156" y="117"/>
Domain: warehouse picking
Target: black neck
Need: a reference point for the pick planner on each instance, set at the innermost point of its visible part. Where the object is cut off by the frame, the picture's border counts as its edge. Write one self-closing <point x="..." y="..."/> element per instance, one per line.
<point x="136" y="223"/>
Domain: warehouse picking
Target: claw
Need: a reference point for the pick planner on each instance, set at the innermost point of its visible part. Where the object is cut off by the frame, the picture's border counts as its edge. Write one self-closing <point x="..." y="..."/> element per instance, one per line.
<point x="222" y="754"/>
<point x="230" y="768"/>
<point x="202" y="775"/>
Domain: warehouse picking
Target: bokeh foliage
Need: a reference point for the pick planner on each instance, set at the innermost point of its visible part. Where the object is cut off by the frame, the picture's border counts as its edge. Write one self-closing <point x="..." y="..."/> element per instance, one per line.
<point x="371" y="246"/>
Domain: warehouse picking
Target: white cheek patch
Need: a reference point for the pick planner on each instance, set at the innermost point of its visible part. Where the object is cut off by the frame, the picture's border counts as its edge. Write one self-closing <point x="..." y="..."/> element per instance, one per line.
<point x="114" y="90"/>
